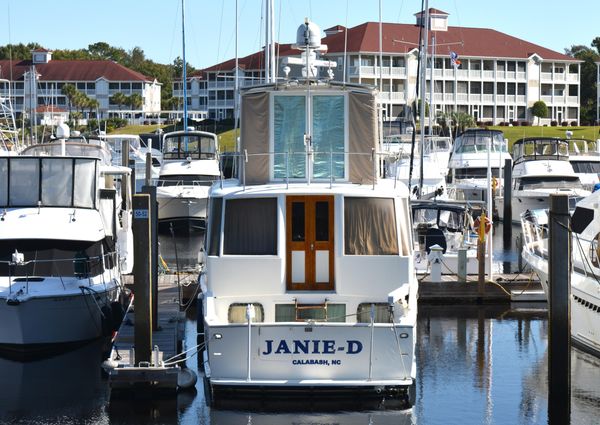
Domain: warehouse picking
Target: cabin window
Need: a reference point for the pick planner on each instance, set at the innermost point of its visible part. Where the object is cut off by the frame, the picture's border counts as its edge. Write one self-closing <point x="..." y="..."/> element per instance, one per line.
<point x="290" y="126"/>
<point x="370" y="226"/>
<point x="53" y="257"/>
<point x="321" y="312"/>
<point x="57" y="176"/>
<point x="382" y="313"/>
<point x="24" y="190"/>
<point x="586" y="166"/>
<point x="3" y="181"/>
<point x="328" y="136"/>
<point x="237" y="313"/>
<point x="84" y="190"/>
<point x="250" y="227"/>
<point x="214" y="228"/>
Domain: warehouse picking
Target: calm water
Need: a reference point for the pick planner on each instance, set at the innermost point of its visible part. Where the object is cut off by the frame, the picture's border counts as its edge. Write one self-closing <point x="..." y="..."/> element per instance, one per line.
<point x="475" y="365"/>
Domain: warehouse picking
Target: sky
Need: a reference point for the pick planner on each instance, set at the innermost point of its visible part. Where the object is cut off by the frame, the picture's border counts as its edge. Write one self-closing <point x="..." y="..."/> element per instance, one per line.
<point x="155" y="25"/>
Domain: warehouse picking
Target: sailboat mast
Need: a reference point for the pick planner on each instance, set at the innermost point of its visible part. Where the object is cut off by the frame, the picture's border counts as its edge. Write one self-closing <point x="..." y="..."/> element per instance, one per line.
<point x="185" y="111"/>
<point x="423" y="90"/>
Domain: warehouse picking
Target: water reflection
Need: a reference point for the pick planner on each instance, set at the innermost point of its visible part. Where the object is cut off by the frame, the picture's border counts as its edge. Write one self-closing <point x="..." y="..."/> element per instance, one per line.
<point x="475" y="365"/>
<point x="180" y="250"/>
<point x="51" y="390"/>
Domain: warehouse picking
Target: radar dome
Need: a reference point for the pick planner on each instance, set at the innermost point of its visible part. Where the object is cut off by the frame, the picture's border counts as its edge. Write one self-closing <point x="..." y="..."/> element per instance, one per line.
<point x="63" y="131"/>
<point x="308" y="34"/>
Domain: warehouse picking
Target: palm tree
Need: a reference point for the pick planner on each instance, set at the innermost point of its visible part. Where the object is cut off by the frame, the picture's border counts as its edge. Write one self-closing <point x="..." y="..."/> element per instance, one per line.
<point x="134" y="101"/>
<point x="118" y="99"/>
<point x="69" y="90"/>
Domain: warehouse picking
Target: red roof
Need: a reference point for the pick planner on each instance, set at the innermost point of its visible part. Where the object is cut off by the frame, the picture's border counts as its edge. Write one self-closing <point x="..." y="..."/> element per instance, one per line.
<point x="336" y="28"/>
<point x="253" y="61"/>
<point x="72" y="70"/>
<point x="41" y="50"/>
<point x="471" y="42"/>
<point x="50" y="108"/>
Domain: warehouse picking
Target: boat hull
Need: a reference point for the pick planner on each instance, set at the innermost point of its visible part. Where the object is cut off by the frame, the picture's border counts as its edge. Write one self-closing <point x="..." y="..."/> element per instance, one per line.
<point x="304" y="355"/>
<point x="184" y="204"/>
<point x="54" y="319"/>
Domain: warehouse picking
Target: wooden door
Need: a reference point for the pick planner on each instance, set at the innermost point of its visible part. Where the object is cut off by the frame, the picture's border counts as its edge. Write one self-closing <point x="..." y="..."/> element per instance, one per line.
<point x="309" y="242"/>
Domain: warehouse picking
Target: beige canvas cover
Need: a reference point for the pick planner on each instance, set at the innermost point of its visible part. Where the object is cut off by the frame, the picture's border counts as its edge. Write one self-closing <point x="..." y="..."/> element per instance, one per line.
<point x="362" y="135"/>
<point x="254" y="137"/>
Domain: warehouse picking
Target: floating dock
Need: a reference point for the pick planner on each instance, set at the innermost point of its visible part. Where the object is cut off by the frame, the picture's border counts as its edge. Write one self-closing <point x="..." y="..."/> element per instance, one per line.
<point x="161" y="373"/>
<point x="505" y="288"/>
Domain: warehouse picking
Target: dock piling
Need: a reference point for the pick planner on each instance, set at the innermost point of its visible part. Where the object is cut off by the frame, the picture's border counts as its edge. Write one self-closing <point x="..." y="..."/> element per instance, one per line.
<point x="507" y="196"/>
<point x="142" y="267"/>
<point x="559" y="313"/>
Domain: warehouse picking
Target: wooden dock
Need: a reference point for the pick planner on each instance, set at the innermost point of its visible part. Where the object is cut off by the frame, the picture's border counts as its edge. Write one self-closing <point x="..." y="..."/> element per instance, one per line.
<point x="168" y="336"/>
<point x="505" y="288"/>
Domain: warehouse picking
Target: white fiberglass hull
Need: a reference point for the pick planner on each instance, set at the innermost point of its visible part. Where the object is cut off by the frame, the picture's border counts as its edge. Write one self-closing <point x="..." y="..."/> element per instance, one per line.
<point x="182" y="203"/>
<point x="585" y="303"/>
<point x="530" y="200"/>
<point x="54" y="318"/>
<point x="310" y="355"/>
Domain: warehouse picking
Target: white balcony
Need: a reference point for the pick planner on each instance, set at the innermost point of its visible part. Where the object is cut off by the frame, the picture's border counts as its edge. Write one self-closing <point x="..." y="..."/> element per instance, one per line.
<point x="546" y="99"/>
<point x="573" y="78"/>
<point x="463" y="73"/>
<point x="511" y="75"/>
<point x="500" y="75"/>
<point x="573" y="100"/>
<point x="488" y="98"/>
<point x="521" y="75"/>
<point x="520" y="98"/>
<point x="500" y="98"/>
<point x="474" y="98"/>
<point x="398" y="71"/>
<point x="488" y="74"/>
<point x="448" y="73"/>
<point x="462" y="97"/>
<point x="475" y="73"/>
<point x="448" y="97"/>
<point x="221" y="85"/>
<point x="546" y="76"/>
<point x="393" y="97"/>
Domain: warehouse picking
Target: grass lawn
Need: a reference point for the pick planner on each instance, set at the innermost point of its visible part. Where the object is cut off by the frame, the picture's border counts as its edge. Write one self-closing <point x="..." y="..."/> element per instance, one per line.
<point x="137" y="129"/>
<point x="227" y="140"/>
<point x="515" y="133"/>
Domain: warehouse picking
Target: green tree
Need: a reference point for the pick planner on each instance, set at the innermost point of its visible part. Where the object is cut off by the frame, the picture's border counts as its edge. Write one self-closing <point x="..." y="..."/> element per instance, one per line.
<point x="134" y="101"/>
<point x="118" y="99"/>
<point x="588" y="83"/>
<point x="539" y="110"/>
<point x="69" y="91"/>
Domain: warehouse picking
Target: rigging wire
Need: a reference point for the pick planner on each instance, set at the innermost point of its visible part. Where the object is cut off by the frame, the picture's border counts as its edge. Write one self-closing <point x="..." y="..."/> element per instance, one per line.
<point x="413" y="109"/>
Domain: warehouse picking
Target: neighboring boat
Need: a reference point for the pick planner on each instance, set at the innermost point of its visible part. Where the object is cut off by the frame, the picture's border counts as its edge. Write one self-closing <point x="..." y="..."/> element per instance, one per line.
<point x="467" y="176"/>
<point x="450" y="225"/>
<point x="190" y="166"/>
<point x="541" y="167"/>
<point x="584" y="156"/>
<point x="585" y="274"/>
<point x="436" y="154"/>
<point x="137" y="155"/>
<point x="65" y="239"/>
<point x="309" y="282"/>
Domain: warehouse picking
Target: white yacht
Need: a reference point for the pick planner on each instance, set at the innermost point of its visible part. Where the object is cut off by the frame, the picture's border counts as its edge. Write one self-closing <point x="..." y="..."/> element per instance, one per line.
<point x="436" y="154"/>
<point x="65" y="239"/>
<point x="584" y="156"/>
<point x="585" y="274"/>
<point x="190" y="166"/>
<point x="309" y="281"/>
<point x="450" y="225"/>
<point x="467" y="176"/>
<point x="541" y="167"/>
<point x="137" y="155"/>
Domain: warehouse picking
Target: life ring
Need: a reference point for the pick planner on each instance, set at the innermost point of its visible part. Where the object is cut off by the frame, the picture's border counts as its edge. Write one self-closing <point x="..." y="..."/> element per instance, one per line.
<point x="477" y="224"/>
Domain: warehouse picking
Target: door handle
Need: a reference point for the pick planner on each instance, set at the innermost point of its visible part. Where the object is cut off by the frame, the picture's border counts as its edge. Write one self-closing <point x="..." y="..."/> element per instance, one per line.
<point x="312" y="246"/>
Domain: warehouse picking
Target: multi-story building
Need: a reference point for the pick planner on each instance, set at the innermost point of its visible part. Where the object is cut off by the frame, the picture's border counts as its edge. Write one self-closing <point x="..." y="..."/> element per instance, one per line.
<point x="494" y="77"/>
<point x="36" y="85"/>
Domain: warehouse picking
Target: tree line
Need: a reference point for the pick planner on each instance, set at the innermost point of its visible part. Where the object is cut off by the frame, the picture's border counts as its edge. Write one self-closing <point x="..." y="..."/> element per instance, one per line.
<point x="588" y="82"/>
<point x="134" y="59"/>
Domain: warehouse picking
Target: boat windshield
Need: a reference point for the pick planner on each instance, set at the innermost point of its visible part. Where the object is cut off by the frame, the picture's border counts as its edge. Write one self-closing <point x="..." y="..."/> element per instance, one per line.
<point x="549" y="182"/>
<point x="474" y="173"/>
<point x="53" y="257"/>
<point x="187" y="180"/>
<point x="442" y="218"/>
<point x="586" y="166"/>
<point x="477" y="142"/>
<point x="189" y="145"/>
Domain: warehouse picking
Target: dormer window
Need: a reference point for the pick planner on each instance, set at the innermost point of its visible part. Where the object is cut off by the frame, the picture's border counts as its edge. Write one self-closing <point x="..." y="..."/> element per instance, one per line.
<point x="41" y="56"/>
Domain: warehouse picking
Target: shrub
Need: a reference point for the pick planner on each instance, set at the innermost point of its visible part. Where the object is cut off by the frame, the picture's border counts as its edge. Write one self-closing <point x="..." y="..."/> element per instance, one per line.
<point x="502" y="124"/>
<point x="524" y="123"/>
<point x="564" y="123"/>
<point x="553" y="123"/>
<point x="479" y="123"/>
<point x="574" y="123"/>
<point x="488" y="123"/>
